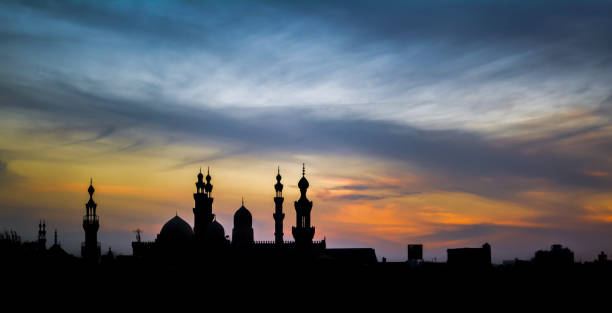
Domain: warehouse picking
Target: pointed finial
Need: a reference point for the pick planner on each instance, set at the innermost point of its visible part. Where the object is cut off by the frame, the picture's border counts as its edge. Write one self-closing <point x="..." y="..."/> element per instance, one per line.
<point x="208" y="174"/>
<point x="278" y="176"/>
<point x="55" y="237"/>
<point x="176" y="212"/>
<point x="200" y="176"/>
<point x="91" y="188"/>
<point x="303" y="183"/>
<point x="242" y="201"/>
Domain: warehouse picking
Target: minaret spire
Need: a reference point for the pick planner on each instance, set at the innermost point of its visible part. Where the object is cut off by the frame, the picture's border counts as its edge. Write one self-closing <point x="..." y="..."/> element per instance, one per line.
<point x="91" y="247"/>
<point x="278" y="215"/>
<point x="202" y="211"/>
<point x="303" y="232"/>
<point x="42" y="234"/>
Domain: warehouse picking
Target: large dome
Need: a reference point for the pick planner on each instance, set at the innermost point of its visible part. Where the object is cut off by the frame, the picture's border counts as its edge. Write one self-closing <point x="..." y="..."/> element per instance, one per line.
<point x="176" y="229"/>
<point x="215" y="231"/>
<point x="243" y="218"/>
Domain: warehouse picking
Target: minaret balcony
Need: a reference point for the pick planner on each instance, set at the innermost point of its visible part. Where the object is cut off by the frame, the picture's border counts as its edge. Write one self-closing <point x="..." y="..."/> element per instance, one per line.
<point x="90" y="218"/>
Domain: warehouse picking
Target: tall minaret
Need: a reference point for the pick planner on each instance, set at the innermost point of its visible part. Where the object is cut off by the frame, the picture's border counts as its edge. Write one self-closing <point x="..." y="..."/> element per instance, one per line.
<point x="202" y="212"/>
<point x="42" y="234"/>
<point x="91" y="247"/>
<point x="303" y="232"/>
<point x="278" y="215"/>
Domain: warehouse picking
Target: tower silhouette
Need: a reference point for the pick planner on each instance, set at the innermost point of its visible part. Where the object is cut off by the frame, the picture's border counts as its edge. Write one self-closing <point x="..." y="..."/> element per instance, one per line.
<point x="90" y="249"/>
<point x="303" y="232"/>
<point x="278" y="215"/>
<point x="42" y="234"/>
<point x="202" y="212"/>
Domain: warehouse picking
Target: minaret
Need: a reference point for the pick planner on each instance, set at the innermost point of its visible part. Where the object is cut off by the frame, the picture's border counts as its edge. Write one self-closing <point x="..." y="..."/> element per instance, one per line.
<point x="202" y="212"/>
<point x="278" y="215"/>
<point x="42" y="234"/>
<point x="90" y="249"/>
<point x="303" y="232"/>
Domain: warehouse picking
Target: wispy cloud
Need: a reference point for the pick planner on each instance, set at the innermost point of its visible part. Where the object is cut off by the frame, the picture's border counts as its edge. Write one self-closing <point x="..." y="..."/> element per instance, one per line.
<point x="504" y="103"/>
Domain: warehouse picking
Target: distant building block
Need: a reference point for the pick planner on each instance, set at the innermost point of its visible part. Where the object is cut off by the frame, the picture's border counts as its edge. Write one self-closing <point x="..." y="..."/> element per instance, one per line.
<point x="415" y="252"/>
<point x="472" y="257"/>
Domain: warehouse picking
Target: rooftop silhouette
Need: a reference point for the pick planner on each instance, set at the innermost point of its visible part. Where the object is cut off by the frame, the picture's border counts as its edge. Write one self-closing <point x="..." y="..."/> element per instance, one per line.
<point x="206" y="246"/>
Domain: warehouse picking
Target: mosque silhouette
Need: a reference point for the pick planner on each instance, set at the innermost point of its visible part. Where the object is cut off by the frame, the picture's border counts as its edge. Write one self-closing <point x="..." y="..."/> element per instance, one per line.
<point x="179" y="243"/>
<point x="207" y="240"/>
<point x="203" y="256"/>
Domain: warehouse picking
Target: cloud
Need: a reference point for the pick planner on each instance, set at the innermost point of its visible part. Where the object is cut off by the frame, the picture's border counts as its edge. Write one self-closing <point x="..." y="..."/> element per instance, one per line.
<point x="436" y="65"/>
<point x="8" y="177"/>
<point x="356" y="196"/>
<point x="484" y="98"/>
<point x="458" y="154"/>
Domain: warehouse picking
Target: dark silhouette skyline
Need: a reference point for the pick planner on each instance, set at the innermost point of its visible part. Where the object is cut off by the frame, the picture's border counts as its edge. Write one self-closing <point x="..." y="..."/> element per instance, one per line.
<point x="177" y="241"/>
<point x="210" y="265"/>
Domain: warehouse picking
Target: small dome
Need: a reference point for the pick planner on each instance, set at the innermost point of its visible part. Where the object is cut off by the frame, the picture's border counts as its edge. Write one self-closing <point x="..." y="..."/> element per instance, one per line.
<point x="215" y="231"/>
<point x="200" y="176"/>
<point x="57" y="251"/>
<point x="243" y="218"/>
<point x="91" y="189"/>
<point x="303" y="183"/>
<point x="176" y="229"/>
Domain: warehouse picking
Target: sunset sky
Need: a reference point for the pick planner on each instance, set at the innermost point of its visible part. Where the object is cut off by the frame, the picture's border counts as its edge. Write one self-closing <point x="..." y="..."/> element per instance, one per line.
<point x="446" y="123"/>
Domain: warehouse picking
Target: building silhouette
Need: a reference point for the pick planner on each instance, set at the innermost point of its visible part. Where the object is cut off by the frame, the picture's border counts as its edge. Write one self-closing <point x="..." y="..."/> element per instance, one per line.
<point x="90" y="249"/>
<point x="302" y="231"/>
<point x="180" y="243"/>
<point x="42" y="234"/>
<point x="602" y="257"/>
<point x="56" y="251"/>
<point x="470" y="257"/>
<point x="278" y="215"/>
<point x="556" y="256"/>
<point x="242" y="234"/>
<point x="415" y="252"/>
<point x="207" y="239"/>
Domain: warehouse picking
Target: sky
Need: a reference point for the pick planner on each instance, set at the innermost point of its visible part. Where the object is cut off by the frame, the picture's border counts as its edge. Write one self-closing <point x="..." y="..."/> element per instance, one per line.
<point x="445" y="123"/>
